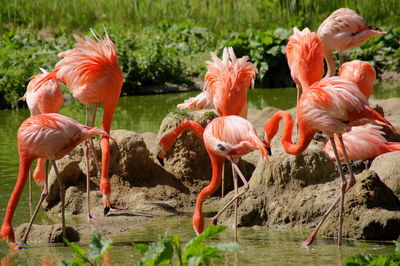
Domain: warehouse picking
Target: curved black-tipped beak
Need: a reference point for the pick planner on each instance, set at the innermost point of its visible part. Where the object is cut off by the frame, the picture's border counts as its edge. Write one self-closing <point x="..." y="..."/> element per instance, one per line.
<point x="160" y="160"/>
<point x="269" y="151"/>
<point x="106" y="210"/>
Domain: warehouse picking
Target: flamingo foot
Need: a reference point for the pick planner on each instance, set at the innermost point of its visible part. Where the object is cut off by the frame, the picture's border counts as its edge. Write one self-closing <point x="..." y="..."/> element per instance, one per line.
<point x="117" y="208"/>
<point x="16" y="246"/>
<point x="91" y="217"/>
<point x="310" y="239"/>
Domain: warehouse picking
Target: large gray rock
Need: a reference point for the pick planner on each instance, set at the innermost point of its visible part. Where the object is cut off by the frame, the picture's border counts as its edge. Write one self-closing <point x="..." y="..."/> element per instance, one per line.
<point x="46" y="233"/>
<point x="387" y="166"/>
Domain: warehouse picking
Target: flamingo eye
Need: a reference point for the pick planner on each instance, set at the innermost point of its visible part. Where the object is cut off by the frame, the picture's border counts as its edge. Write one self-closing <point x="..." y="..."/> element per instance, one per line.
<point x="220" y="147"/>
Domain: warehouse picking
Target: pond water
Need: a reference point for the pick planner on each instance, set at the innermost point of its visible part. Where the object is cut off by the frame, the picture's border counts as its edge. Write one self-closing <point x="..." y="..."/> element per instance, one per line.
<point x="144" y="113"/>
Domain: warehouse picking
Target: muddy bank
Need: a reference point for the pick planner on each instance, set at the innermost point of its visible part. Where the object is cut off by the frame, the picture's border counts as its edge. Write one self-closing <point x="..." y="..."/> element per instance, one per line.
<point x="285" y="191"/>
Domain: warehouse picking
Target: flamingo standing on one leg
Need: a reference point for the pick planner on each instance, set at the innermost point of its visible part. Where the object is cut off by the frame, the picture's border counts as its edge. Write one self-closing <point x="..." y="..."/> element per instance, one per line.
<point x="47" y="99"/>
<point x="92" y="74"/>
<point x="227" y="82"/>
<point x="49" y="136"/>
<point x="225" y="137"/>
<point x="342" y="30"/>
<point x="363" y="143"/>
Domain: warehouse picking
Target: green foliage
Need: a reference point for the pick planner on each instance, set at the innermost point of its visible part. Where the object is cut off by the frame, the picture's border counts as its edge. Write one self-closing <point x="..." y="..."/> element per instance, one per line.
<point x="195" y="252"/>
<point x="96" y="250"/>
<point x="383" y="51"/>
<point x="266" y="50"/>
<point x="375" y="260"/>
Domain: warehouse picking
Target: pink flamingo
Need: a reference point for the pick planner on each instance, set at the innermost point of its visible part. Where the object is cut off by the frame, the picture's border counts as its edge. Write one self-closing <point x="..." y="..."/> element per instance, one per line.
<point x="49" y="136"/>
<point x="92" y="74"/>
<point x="363" y="143"/>
<point x="225" y="137"/>
<point x="227" y="82"/>
<point x="361" y="73"/>
<point x="342" y="30"/>
<point x="47" y="99"/>
<point x="326" y="105"/>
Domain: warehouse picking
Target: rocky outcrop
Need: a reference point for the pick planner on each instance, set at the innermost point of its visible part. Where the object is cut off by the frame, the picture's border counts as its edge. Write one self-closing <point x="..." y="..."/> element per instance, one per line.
<point x="387" y="168"/>
<point x="46" y="233"/>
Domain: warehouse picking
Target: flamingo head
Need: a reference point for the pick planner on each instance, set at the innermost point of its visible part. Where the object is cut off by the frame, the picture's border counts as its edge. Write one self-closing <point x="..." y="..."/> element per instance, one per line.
<point x="198" y="222"/>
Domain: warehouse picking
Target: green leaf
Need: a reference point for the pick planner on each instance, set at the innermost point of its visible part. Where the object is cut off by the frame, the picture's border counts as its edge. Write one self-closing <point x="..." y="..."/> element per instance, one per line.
<point x="142" y="248"/>
<point x="97" y="247"/>
<point x="158" y="253"/>
<point x="209" y="232"/>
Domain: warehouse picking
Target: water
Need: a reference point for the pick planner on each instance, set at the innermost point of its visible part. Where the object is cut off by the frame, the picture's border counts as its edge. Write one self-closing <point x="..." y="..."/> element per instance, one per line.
<point x="145" y="113"/>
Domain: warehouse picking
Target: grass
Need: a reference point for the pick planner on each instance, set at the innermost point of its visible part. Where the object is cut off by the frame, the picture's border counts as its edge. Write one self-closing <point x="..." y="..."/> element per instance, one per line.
<point x="218" y="15"/>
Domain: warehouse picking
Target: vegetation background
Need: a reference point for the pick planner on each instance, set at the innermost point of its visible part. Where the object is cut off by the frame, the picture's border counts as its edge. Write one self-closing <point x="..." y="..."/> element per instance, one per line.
<point x="163" y="42"/>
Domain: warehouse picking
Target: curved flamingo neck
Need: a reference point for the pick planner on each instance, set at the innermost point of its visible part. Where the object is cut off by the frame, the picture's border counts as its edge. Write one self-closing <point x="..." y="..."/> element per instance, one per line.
<point x="217" y="163"/>
<point x="6" y="229"/>
<point x="168" y="139"/>
<point x="330" y="63"/>
<point x="305" y="136"/>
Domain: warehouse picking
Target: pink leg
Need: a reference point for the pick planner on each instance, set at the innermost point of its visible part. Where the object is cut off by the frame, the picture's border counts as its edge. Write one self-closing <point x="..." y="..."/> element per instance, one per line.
<point x="223" y="182"/>
<point x="313" y="234"/>
<point x="245" y="189"/>
<point x="62" y="197"/>
<point x="42" y="197"/>
<point x="86" y="152"/>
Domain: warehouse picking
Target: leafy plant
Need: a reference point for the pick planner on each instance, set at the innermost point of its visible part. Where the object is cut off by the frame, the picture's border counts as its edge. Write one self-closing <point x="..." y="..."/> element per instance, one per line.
<point x="375" y="260"/>
<point x="96" y="250"/>
<point x="195" y="252"/>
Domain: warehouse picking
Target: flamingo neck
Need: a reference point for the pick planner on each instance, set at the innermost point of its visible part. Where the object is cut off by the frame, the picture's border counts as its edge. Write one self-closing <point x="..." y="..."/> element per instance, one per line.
<point x="330" y="63"/>
<point x="217" y="166"/>
<point x="305" y="136"/>
<point x="6" y="230"/>
<point x="168" y="139"/>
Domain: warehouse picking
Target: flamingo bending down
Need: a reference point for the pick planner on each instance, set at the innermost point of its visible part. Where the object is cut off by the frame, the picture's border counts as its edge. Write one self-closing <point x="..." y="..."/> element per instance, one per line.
<point x="342" y="30"/>
<point x="49" y="136"/>
<point x="363" y="143"/>
<point x="225" y="137"/>
<point x="226" y="84"/>
<point x="331" y="105"/>
<point x="47" y="99"/>
<point x="92" y="74"/>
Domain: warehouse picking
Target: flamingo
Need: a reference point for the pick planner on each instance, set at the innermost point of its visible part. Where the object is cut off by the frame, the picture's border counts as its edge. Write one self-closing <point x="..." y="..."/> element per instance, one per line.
<point x="361" y="73"/>
<point x="225" y="87"/>
<point x="47" y="99"/>
<point x="342" y="30"/>
<point x="50" y="136"/>
<point x="226" y="84"/>
<point x="363" y="143"/>
<point x="92" y="74"/>
<point x="225" y="137"/>
<point x="332" y="105"/>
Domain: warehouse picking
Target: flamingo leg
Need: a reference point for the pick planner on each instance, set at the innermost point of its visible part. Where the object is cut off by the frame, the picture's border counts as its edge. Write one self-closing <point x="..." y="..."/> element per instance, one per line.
<point x="62" y="197"/>
<point x="30" y="190"/>
<point x="91" y="140"/>
<point x="341" y="57"/>
<point x="42" y="197"/>
<point x="223" y="182"/>
<point x="313" y="234"/>
<point x="235" y="185"/>
<point x="86" y="151"/>
<point x="245" y="189"/>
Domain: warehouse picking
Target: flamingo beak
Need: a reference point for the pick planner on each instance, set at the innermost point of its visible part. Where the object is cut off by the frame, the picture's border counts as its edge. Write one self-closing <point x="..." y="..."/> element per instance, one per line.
<point x="160" y="156"/>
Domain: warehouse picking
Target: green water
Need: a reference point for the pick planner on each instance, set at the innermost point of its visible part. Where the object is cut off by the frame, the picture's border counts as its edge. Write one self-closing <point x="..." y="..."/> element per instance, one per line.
<point x="145" y="113"/>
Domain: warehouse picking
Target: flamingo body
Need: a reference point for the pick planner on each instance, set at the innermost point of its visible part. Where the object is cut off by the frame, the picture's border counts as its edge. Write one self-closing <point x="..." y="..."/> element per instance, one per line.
<point x="224" y="137"/>
<point x="49" y="136"/>
<point x="363" y="143"/>
<point x="361" y="73"/>
<point x="226" y="84"/>
<point x="342" y="30"/>
<point x="92" y="74"/>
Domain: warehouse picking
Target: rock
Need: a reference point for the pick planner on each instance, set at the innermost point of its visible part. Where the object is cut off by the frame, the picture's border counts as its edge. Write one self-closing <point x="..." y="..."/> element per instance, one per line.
<point x="387" y="168"/>
<point x="46" y="233"/>
<point x="371" y="211"/>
